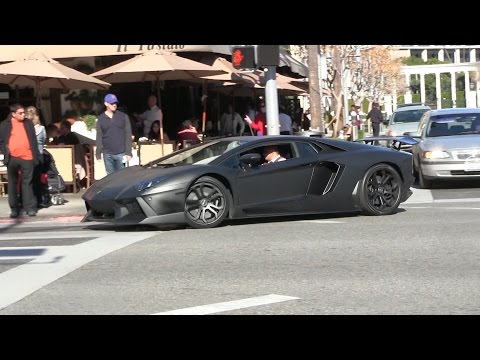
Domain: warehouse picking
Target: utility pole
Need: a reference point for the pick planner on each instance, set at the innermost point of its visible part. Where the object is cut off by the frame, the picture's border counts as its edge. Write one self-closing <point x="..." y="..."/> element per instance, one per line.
<point x="345" y="91"/>
<point x="320" y="85"/>
<point x="266" y="57"/>
<point x="346" y="114"/>
<point x="271" y="100"/>
<point x="316" y="122"/>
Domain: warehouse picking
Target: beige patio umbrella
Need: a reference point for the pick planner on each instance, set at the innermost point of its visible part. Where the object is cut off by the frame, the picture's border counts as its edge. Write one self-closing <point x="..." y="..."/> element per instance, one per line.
<point x="254" y="81"/>
<point x="236" y="82"/>
<point x="230" y="75"/>
<point x="283" y="82"/>
<point x="39" y="71"/>
<point x="156" y="65"/>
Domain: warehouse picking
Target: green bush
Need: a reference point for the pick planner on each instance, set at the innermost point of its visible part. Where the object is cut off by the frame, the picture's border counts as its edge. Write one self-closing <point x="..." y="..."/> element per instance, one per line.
<point x="90" y="121"/>
<point x="361" y="134"/>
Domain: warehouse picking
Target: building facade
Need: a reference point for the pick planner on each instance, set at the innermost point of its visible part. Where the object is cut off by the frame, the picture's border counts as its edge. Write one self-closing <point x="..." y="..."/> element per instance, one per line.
<point x="462" y="70"/>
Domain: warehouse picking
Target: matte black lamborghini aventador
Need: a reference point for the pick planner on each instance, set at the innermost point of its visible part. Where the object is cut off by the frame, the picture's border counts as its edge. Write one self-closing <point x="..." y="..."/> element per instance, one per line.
<point x="227" y="178"/>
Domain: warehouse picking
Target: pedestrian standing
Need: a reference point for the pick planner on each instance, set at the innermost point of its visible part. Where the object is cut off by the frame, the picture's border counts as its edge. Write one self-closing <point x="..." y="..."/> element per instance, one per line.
<point x="114" y="136"/>
<point x="231" y="122"/>
<point x="32" y="114"/>
<point x="18" y="143"/>
<point x="285" y="121"/>
<point x="260" y="122"/>
<point x="150" y="115"/>
<point x="376" y="117"/>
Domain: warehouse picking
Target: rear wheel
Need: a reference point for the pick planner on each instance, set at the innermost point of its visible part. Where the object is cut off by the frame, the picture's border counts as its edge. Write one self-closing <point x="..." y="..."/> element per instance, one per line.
<point x="380" y="190"/>
<point x="206" y="203"/>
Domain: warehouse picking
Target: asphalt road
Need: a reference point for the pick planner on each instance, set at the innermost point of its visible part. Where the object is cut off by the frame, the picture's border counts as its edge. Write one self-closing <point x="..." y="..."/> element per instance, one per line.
<point x="422" y="260"/>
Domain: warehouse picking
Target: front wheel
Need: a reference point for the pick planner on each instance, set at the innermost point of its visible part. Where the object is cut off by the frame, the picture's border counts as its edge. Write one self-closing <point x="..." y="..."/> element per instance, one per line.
<point x="380" y="190"/>
<point x="207" y="203"/>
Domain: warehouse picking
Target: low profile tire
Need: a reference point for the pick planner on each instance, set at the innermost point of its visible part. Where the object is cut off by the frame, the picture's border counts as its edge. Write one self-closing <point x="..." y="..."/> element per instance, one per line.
<point x="207" y="203"/>
<point x="380" y="190"/>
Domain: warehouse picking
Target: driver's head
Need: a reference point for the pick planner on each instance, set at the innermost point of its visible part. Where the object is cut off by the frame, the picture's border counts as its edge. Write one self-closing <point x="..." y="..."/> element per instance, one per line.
<point x="269" y="152"/>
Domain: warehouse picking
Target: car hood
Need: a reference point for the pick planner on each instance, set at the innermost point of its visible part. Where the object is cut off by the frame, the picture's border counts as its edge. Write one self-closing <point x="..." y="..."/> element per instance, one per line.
<point x="133" y="181"/>
<point x="453" y="142"/>
<point x="401" y="128"/>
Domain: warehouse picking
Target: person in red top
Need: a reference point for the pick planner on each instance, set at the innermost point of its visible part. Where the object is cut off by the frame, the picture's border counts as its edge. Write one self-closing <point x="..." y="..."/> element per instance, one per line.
<point x="18" y="144"/>
<point x="260" y="122"/>
<point x="188" y="133"/>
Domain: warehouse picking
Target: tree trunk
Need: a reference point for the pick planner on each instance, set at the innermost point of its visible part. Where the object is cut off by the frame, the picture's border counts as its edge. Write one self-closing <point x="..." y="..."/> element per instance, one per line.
<point x="314" y="88"/>
<point x="338" y="93"/>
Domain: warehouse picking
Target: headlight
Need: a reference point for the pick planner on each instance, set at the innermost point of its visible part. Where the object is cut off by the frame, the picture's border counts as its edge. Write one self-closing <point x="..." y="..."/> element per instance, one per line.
<point x="144" y="185"/>
<point x="436" y="154"/>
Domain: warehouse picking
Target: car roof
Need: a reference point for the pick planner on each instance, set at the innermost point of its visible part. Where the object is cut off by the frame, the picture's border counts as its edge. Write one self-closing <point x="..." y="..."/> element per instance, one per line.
<point x="412" y="107"/>
<point x="333" y="142"/>
<point x="410" y="104"/>
<point x="452" y="111"/>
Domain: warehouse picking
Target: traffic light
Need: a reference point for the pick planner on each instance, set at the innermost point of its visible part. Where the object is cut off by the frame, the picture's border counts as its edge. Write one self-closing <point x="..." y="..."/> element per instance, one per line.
<point x="268" y="55"/>
<point x="243" y="57"/>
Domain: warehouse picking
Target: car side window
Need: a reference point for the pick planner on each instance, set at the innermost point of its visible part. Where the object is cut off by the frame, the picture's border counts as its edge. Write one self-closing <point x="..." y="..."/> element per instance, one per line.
<point x="305" y="150"/>
<point x="284" y="149"/>
<point x="231" y="162"/>
<point x="423" y="122"/>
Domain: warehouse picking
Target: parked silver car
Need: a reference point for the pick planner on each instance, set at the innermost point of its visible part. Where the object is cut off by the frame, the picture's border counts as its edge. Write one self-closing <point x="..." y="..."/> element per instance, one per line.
<point x="405" y="118"/>
<point x="449" y="146"/>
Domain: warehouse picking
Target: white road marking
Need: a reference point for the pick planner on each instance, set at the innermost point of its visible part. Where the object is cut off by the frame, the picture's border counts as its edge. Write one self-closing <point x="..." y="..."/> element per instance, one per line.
<point x="420" y="196"/>
<point x="54" y="235"/>
<point x="457" y="200"/>
<point x="40" y="223"/>
<point x="421" y="207"/>
<point x="21" y="281"/>
<point x="322" y="221"/>
<point x="443" y="208"/>
<point x="229" y="305"/>
<point x="425" y="196"/>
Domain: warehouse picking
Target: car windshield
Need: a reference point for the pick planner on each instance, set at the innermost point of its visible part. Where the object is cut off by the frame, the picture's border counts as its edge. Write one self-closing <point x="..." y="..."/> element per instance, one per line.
<point x="200" y="154"/>
<point x="454" y="124"/>
<point x="407" y="116"/>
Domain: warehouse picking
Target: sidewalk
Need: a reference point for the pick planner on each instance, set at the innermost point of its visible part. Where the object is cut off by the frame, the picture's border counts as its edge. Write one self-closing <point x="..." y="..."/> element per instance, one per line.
<point x="72" y="211"/>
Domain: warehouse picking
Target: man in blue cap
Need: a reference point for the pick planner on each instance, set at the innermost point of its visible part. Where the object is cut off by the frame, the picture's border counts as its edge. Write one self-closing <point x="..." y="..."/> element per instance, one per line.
<point x="114" y="136"/>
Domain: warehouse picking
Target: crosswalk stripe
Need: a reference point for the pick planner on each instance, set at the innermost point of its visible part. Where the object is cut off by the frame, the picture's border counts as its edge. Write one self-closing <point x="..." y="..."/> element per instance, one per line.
<point x="229" y="305"/>
<point x="21" y="281"/>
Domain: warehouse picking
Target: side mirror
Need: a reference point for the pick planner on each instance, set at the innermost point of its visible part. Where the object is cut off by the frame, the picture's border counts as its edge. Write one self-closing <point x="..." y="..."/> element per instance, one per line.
<point x="251" y="159"/>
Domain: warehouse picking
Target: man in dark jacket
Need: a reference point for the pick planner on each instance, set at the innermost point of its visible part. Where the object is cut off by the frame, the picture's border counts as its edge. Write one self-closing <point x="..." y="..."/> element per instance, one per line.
<point x="18" y="144"/>
<point x="376" y="117"/>
<point x="114" y="136"/>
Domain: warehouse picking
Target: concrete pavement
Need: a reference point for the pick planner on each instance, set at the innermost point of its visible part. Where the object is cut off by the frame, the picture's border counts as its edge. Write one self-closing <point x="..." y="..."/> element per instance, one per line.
<point x="72" y="211"/>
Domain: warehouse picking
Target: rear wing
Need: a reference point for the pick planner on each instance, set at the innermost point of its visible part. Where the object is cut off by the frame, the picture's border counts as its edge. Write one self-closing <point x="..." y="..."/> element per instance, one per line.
<point x="394" y="142"/>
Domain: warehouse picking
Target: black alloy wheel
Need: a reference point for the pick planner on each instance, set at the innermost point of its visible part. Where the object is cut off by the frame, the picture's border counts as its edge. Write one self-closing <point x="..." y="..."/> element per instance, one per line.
<point x="380" y="190"/>
<point x="207" y="203"/>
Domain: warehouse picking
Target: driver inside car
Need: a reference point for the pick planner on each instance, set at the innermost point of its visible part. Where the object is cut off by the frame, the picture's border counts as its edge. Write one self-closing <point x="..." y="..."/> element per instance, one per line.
<point x="272" y="155"/>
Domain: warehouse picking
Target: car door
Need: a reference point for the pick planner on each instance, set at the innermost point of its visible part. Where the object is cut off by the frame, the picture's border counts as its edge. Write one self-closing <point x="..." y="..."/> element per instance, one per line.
<point x="275" y="188"/>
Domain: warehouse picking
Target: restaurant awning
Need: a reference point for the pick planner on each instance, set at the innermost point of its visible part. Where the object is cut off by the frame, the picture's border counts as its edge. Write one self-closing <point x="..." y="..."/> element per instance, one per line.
<point x="15" y="52"/>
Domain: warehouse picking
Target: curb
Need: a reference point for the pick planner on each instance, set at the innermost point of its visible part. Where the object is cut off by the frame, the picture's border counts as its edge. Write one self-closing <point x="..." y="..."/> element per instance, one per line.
<point x="59" y="218"/>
